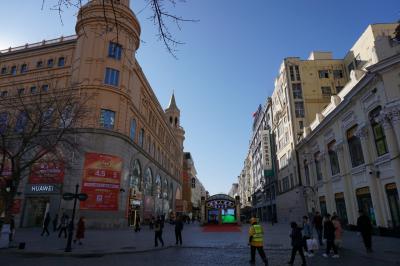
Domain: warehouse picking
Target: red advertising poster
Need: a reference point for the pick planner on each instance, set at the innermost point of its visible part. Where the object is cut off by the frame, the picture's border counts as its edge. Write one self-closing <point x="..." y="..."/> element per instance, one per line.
<point x="101" y="182"/>
<point x="47" y="172"/>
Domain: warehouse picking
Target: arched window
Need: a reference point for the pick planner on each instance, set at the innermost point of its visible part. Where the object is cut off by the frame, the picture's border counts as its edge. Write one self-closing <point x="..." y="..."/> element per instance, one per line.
<point x="157" y="187"/>
<point x="333" y="158"/>
<point x="379" y="135"/>
<point x="148" y="182"/>
<point x="355" y="148"/>
<point x="135" y="178"/>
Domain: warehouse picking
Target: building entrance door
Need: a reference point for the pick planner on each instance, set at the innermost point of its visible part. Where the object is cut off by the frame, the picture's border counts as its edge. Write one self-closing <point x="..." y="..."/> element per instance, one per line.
<point x="341" y="207"/>
<point x="35" y="211"/>
<point x="365" y="203"/>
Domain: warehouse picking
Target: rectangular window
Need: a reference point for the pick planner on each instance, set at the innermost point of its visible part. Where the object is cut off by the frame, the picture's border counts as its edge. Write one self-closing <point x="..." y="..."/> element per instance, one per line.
<point x="111" y="77"/>
<point x="297" y="91"/>
<point x="338" y="73"/>
<point x="21" y="91"/>
<point x="61" y="61"/>
<point x="4" y="93"/>
<point x="21" y="122"/>
<point x="326" y="91"/>
<point x="50" y="63"/>
<point x="132" y="132"/>
<point x="299" y="109"/>
<point x="285" y="182"/>
<point x="323" y="74"/>
<point x="301" y="125"/>
<point x="339" y="89"/>
<point x="107" y="119"/>
<point x="318" y="165"/>
<point x="355" y="148"/>
<point x="33" y="89"/>
<point x="333" y="158"/>
<point x="45" y="88"/>
<point x="13" y="70"/>
<point x="141" y="137"/>
<point x="3" y="122"/>
<point x="39" y="64"/>
<point x="114" y="50"/>
<point x="291" y="73"/>
<point x="3" y="70"/>
<point x="379" y="135"/>
<point x="297" y="72"/>
<point x="24" y="68"/>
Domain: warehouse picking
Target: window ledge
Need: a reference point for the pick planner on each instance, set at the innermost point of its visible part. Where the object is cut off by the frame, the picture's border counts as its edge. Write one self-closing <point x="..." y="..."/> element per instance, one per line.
<point x="382" y="159"/>
<point x="358" y="169"/>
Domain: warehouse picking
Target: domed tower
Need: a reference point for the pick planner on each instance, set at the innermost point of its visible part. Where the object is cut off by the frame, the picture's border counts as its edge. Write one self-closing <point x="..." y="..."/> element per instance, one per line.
<point x="173" y="115"/>
<point x="108" y="37"/>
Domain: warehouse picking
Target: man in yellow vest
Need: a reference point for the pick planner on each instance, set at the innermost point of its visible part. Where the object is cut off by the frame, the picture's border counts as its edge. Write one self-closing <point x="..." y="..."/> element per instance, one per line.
<point x="256" y="239"/>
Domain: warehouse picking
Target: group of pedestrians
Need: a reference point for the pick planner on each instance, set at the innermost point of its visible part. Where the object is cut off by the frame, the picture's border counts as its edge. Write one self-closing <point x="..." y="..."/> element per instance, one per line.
<point x="62" y="226"/>
<point x="158" y="230"/>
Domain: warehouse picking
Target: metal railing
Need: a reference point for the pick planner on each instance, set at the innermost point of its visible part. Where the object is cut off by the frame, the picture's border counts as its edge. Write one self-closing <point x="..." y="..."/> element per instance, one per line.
<point x="38" y="44"/>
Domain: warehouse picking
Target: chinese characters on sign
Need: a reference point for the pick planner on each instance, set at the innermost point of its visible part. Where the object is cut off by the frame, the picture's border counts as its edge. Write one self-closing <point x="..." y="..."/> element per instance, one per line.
<point x="266" y="153"/>
<point x="101" y="182"/>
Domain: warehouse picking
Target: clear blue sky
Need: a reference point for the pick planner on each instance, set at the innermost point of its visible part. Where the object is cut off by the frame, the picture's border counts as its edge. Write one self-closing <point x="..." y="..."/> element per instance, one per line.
<point x="228" y="64"/>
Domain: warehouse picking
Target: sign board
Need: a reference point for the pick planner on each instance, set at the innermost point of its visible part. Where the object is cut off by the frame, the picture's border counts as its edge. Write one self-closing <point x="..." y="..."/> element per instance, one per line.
<point x="47" y="172"/>
<point x="266" y="153"/>
<point x="101" y="182"/>
<point x="42" y="189"/>
<point x="135" y="202"/>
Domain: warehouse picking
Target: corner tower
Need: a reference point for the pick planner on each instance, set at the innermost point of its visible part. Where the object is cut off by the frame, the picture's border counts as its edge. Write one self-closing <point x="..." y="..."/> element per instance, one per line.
<point x="173" y="115"/>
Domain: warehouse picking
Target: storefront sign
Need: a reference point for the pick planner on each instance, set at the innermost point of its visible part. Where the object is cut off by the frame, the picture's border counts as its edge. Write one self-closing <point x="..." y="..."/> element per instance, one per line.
<point x="101" y="182"/>
<point x="47" y="171"/>
<point x="42" y="189"/>
<point x="266" y="153"/>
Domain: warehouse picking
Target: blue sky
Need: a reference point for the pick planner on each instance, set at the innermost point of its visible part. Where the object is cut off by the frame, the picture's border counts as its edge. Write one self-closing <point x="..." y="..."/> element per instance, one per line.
<point x="228" y="64"/>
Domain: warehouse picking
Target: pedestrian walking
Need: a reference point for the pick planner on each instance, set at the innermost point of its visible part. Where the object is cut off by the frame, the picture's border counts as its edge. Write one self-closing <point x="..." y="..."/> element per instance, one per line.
<point x="151" y="223"/>
<point x="45" y="225"/>
<point x="329" y="235"/>
<point x="158" y="232"/>
<point x="55" y="223"/>
<point x="63" y="225"/>
<point x="137" y="223"/>
<point x="338" y="231"/>
<point x="365" y="228"/>
<point x="178" y="230"/>
<point x="297" y="244"/>
<point x="317" y="222"/>
<point x="307" y="234"/>
<point x="80" y="231"/>
<point x="256" y="241"/>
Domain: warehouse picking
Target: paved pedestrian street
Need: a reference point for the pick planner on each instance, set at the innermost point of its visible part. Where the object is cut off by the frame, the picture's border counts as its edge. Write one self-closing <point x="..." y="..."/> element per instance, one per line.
<point x="125" y="247"/>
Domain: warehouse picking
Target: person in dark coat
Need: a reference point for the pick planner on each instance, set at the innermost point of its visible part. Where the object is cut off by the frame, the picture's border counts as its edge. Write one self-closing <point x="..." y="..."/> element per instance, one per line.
<point x="46" y="223"/>
<point x="297" y="243"/>
<point x="178" y="230"/>
<point x="63" y="225"/>
<point x="55" y="222"/>
<point x="158" y="232"/>
<point x="317" y="222"/>
<point x="329" y="235"/>
<point x="364" y="226"/>
<point x="80" y="231"/>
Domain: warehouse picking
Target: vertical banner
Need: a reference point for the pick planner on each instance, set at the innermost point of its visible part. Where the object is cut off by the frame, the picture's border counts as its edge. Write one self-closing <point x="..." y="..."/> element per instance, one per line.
<point x="266" y="153"/>
<point x="101" y="182"/>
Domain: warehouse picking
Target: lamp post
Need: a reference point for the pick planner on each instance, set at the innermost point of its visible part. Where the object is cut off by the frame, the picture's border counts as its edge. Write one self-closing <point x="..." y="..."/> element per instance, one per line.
<point x="73" y="196"/>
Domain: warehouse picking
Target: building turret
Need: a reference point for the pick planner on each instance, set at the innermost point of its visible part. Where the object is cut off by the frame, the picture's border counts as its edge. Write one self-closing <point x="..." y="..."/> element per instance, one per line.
<point x="173" y="115"/>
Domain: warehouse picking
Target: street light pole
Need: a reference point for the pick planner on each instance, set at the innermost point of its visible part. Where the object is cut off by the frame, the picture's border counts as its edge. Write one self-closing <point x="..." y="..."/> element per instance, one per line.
<point x="71" y="224"/>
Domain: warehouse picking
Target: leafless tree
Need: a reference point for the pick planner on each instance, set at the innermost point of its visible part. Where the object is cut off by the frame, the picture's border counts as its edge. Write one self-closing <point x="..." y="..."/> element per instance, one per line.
<point x="161" y="16"/>
<point x="34" y="128"/>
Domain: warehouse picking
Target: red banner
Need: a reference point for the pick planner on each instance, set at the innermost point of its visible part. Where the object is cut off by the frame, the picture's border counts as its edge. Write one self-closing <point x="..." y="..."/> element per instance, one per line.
<point x="101" y="182"/>
<point x="47" y="172"/>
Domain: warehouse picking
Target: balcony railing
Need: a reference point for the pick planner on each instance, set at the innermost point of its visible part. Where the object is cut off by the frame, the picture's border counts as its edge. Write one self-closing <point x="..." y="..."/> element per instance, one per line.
<point x="38" y="44"/>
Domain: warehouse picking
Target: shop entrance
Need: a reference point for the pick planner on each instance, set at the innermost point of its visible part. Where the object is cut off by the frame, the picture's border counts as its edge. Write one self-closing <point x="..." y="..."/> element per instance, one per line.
<point x="365" y="203"/>
<point x="35" y="211"/>
<point x="221" y="209"/>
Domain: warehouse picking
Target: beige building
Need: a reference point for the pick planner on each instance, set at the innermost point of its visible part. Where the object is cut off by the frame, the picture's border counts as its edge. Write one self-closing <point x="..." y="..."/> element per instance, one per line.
<point x="350" y="154"/>
<point x="126" y="126"/>
<point x="302" y="89"/>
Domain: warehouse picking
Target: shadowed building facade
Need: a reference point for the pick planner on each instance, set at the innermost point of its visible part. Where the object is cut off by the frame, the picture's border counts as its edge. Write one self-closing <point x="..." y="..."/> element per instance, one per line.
<point x="127" y="137"/>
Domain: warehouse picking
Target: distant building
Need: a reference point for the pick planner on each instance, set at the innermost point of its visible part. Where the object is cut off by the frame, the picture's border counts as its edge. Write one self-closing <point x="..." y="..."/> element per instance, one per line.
<point x="234" y="191"/>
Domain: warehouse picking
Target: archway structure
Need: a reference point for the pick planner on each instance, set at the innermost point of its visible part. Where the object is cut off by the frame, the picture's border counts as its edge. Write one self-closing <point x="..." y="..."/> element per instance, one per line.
<point x="220" y="209"/>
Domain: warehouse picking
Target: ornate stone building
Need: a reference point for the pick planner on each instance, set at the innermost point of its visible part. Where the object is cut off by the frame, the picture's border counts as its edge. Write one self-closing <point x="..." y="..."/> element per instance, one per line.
<point x="127" y="136"/>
